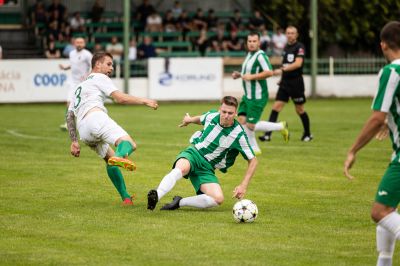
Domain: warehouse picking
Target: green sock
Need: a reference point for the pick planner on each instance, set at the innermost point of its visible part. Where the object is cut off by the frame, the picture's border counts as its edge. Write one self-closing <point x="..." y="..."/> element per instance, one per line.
<point x="118" y="180"/>
<point x="125" y="148"/>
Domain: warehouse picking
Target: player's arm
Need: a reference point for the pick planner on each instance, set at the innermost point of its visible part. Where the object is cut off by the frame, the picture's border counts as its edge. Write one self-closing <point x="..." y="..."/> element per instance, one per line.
<point x="240" y="190"/>
<point x="187" y="119"/>
<point x="370" y="129"/>
<point x="75" y="148"/>
<point x="123" y="98"/>
<point x="293" y="66"/>
<point x="262" y="75"/>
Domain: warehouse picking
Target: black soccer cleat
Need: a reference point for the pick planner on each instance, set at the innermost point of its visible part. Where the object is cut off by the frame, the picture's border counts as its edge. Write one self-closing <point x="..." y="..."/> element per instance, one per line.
<point x="152" y="199"/>
<point x="266" y="137"/>
<point x="173" y="205"/>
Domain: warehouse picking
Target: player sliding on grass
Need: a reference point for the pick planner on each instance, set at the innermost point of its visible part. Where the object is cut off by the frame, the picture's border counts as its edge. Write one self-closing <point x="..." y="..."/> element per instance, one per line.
<point x="96" y="128"/>
<point x="221" y="140"/>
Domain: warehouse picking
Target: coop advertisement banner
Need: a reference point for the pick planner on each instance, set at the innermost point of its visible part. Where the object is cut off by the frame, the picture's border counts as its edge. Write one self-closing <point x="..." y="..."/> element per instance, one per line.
<point x="33" y="81"/>
<point x="185" y="78"/>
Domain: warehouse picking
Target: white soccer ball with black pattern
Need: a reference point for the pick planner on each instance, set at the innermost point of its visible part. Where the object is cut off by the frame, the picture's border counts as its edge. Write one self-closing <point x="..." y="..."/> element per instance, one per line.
<point x="245" y="211"/>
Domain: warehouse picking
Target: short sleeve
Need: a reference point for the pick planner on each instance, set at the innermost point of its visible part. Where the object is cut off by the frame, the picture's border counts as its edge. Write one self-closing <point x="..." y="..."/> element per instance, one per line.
<point x="301" y="52"/>
<point x="106" y="84"/>
<point x="264" y="62"/>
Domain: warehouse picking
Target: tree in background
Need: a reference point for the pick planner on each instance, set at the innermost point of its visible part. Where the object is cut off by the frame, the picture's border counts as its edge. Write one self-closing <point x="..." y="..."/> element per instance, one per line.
<point x="345" y="27"/>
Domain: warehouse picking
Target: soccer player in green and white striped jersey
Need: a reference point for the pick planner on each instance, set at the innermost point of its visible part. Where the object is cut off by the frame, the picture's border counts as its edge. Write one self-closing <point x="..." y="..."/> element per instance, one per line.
<point x="221" y="140"/>
<point x="386" y="105"/>
<point x="256" y="68"/>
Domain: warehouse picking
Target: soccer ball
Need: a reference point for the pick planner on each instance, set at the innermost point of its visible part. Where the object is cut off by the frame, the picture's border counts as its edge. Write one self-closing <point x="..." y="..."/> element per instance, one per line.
<point x="245" y="211"/>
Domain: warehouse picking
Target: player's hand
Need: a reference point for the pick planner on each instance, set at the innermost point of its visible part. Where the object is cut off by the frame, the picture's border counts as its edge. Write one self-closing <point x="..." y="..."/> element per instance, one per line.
<point x="186" y="120"/>
<point x="383" y="132"/>
<point x="62" y="67"/>
<point x="351" y="158"/>
<point x="236" y="74"/>
<point x="152" y="104"/>
<point x="75" y="149"/>
<point x="247" y="77"/>
<point x="239" y="192"/>
<point x="277" y="72"/>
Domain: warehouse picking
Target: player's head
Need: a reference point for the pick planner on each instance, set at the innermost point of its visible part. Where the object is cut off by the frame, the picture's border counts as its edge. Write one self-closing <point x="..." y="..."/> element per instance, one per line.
<point x="102" y="63"/>
<point x="253" y="41"/>
<point x="228" y="111"/>
<point x="79" y="43"/>
<point x="291" y="34"/>
<point x="390" y="37"/>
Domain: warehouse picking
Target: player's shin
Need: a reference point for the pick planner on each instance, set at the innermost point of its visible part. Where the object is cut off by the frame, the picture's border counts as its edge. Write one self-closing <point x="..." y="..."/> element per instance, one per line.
<point x="391" y="222"/>
<point x="168" y="182"/>
<point x="124" y="149"/>
<point x="385" y="242"/>
<point x="118" y="180"/>
<point x="200" y="201"/>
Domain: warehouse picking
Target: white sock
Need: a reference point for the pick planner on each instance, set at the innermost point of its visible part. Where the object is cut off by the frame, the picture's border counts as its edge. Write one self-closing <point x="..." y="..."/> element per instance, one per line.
<point x="200" y="201"/>
<point x="252" y="139"/>
<point x="391" y="223"/>
<point x="385" y="242"/>
<point x="168" y="182"/>
<point x="268" y="126"/>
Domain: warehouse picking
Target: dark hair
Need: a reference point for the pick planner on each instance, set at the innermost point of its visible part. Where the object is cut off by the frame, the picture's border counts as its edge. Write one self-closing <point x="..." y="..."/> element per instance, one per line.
<point x="230" y="100"/>
<point x="390" y="34"/>
<point x="100" y="57"/>
<point x="254" y="33"/>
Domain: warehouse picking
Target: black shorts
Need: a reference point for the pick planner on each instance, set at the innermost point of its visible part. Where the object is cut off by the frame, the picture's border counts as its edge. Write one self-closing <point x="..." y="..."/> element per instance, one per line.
<point x="291" y="88"/>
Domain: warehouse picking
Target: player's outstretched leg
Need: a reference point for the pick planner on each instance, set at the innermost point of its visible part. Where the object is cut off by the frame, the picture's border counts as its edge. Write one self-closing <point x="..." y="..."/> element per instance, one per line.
<point x="124" y="149"/>
<point x="118" y="181"/>
<point x="173" y="205"/>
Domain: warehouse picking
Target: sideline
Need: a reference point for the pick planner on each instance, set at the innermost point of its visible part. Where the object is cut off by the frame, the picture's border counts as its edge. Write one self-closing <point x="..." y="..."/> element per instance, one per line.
<point x="24" y="136"/>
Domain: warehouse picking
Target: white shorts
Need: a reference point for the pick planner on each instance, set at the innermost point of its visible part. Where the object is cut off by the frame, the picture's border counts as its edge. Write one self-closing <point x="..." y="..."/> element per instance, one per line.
<point x="99" y="131"/>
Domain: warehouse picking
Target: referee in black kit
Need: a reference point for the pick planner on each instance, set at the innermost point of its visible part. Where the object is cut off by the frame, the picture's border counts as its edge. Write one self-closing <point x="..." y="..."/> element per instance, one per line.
<point x="291" y="84"/>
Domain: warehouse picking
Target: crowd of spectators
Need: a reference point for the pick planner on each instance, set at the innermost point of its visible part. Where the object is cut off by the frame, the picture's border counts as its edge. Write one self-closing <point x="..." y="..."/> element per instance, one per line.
<point x="214" y="33"/>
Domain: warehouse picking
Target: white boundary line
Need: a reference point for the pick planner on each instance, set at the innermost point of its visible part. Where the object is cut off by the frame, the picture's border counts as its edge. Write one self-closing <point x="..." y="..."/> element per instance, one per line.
<point x="24" y="136"/>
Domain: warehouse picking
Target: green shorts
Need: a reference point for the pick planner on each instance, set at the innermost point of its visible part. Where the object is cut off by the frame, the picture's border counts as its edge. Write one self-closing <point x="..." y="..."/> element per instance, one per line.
<point x="389" y="189"/>
<point x="252" y="109"/>
<point x="201" y="171"/>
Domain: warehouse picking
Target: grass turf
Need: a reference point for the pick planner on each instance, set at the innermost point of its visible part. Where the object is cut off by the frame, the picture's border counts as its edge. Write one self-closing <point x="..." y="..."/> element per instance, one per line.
<point x="56" y="209"/>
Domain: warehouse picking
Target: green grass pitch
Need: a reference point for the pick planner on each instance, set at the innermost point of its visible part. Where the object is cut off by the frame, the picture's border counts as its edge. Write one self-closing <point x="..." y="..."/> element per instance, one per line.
<point x="60" y="210"/>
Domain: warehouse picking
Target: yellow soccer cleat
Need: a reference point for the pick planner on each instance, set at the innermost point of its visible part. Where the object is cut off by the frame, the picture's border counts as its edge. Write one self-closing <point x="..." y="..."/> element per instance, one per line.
<point x="285" y="131"/>
<point x="122" y="162"/>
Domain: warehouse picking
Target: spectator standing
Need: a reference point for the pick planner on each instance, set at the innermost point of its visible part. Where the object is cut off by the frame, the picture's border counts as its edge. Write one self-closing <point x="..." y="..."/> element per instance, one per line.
<point x="279" y="41"/>
<point x="199" y="20"/>
<point x="52" y="52"/>
<point x="143" y="11"/>
<point x="97" y="11"/>
<point x="38" y="14"/>
<point x="60" y="8"/>
<point x="98" y="48"/>
<point x="146" y="49"/>
<point x="184" y="23"/>
<point x="265" y="40"/>
<point x="115" y="48"/>
<point x="202" y="42"/>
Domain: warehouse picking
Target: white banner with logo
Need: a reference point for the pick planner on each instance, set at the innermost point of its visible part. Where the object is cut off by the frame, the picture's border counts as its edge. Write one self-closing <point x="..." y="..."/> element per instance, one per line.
<point x="33" y="81"/>
<point x="185" y="78"/>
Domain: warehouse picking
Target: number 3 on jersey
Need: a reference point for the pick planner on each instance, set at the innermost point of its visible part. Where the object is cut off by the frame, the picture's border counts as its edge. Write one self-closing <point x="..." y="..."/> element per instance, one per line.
<point x="78" y="96"/>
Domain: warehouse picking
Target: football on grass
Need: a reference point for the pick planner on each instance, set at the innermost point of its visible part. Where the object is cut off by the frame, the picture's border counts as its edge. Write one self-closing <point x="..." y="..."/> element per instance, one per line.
<point x="245" y="211"/>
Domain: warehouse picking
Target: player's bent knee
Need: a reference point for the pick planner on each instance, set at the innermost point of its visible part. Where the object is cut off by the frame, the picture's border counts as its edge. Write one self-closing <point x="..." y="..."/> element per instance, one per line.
<point x="219" y="199"/>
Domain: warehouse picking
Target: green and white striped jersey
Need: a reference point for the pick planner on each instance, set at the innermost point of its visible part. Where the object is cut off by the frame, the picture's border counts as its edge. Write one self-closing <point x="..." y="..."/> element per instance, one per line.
<point x="220" y="145"/>
<point x="387" y="99"/>
<point x="254" y="63"/>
